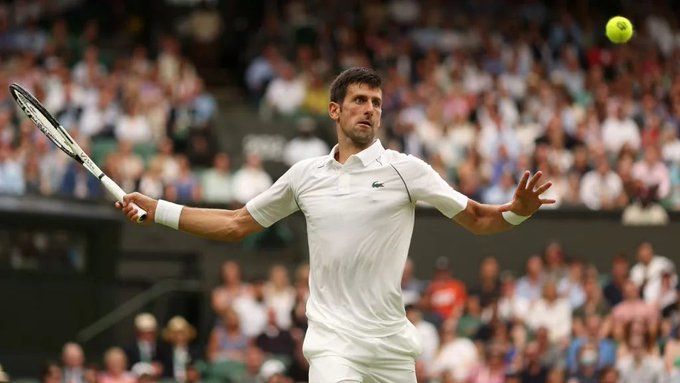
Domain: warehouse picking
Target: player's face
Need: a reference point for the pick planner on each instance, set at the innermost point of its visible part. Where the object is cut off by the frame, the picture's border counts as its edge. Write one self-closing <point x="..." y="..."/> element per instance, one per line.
<point x="359" y="114"/>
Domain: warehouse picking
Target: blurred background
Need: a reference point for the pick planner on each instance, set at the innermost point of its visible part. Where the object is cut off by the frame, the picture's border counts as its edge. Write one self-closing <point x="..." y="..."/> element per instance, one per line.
<point x="208" y="102"/>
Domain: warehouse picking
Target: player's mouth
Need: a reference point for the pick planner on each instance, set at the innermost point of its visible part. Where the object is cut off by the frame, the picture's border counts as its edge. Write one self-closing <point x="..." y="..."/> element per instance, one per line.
<point x="365" y="123"/>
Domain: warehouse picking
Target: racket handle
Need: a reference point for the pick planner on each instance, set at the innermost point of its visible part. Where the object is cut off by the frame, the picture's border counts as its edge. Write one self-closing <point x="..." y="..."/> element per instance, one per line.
<point x="119" y="193"/>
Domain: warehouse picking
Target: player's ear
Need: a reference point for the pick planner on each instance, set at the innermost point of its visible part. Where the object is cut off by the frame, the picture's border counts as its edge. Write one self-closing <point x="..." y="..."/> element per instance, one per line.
<point x="334" y="110"/>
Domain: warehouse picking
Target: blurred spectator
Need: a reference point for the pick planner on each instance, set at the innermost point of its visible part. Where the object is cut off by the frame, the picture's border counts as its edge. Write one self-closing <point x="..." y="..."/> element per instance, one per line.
<point x="116" y="371"/>
<point x="252" y="310"/>
<point x="511" y="306"/>
<point x="132" y="125"/>
<point x="11" y="172"/>
<point x="640" y="366"/>
<point x="231" y="287"/>
<point x="186" y="186"/>
<point x="146" y="347"/>
<point x="593" y="345"/>
<point x="227" y="340"/>
<point x="672" y="353"/>
<point x="166" y="160"/>
<point x="51" y="373"/>
<point x="125" y="165"/>
<point x="305" y="145"/>
<point x="279" y="296"/>
<point x="586" y="371"/>
<point x="411" y="288"/>
<point x="151" y="182"/>
<point x="251" y="179"/>
<point x="456" y="356"/>
<point x="551" y="312"/>
<point x="488" y="284"/>
<point x="276" y="341"/>
<point x="79" y="183"/>
<point x="73" y="360"/>
<point x="571" y="286"/>
<point x="501" y="192"/>
<point x="653" y="172"/>
<point x="632" y="308"/>
<point x="493" y="369"/>
<point x="556" y="267"/>
<point x="601" y="189"/>
<point x="613" y="291"/>
<point x="178" y="334"/>
<point x="530" y="286"/>
<point x="644" y="210"/>
<point x="446" y="294"/>
<point x="285" y="93"/>
<point x="533" y="371"/>
<point x="261" y="70"/>
<point x="217" y="181"/>
<point x="648" y="272"/>
<point x="619" y="130"/>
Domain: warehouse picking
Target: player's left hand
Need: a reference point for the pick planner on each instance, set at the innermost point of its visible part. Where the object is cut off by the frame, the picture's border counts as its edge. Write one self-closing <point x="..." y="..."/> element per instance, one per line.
<point x="527" y="199"/>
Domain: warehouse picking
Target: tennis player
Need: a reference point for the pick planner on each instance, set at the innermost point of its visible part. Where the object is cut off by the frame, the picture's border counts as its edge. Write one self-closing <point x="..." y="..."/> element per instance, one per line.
<point x="359" y="203"/>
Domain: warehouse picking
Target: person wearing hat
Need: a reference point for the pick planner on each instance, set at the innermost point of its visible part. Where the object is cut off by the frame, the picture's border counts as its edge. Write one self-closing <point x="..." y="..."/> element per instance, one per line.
<point x="146" y="347"/>
<point x="178" y="334"/>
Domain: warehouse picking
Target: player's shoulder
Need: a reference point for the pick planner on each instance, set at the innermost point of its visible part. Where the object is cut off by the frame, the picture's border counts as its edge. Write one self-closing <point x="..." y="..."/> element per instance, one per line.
<point x="405" y="162"/>
<point x="307" y="165"/>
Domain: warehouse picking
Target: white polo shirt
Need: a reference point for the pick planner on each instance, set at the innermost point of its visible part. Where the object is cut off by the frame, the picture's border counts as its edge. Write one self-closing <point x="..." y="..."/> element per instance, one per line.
<point x="360" y="219"/>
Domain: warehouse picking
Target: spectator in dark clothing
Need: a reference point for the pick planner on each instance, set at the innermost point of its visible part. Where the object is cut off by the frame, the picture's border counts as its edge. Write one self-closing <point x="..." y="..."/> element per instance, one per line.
<point x="613" y="291"/>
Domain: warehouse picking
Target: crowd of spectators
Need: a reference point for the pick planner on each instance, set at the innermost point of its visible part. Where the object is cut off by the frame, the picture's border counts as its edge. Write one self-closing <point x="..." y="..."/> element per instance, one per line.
<point x="483" y="91"/>
<point x="563" y="320"/>
<point x="144" y="116"/>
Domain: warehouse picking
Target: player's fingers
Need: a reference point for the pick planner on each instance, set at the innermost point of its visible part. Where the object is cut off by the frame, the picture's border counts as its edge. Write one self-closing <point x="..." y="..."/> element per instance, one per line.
<point x="547" y="201"/>
<point x="523" y="182"/>
<point x="118" y="205"/>
<point x="541" y="189"/>
<point x="534" y="180"/>
<point x="505" y="207"/>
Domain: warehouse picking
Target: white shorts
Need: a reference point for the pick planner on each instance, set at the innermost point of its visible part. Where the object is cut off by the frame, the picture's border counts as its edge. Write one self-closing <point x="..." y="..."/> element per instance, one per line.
<point x="338" y="357"/>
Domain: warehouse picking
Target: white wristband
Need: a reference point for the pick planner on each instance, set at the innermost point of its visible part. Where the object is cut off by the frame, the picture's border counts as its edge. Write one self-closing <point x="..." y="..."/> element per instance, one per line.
<point x="514" y="219"/>
<point x="167" y="214"/>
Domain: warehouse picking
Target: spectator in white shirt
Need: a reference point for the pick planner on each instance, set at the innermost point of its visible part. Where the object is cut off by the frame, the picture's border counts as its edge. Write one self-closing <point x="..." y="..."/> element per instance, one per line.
<point x="279" y="296"/>
<point x="251" y="179"/>
<point x="496" y="133"/>
<point x="619" y="130"/>
<point x="501" y="192"/>
<point x="648" y="272"/>
<point x="89" y="69"/>
<point x="511" y="306"/>
<point x="305" y="145"/>
<point x="653" y="172"/>
<point x="217" y="181"/>
<point x="133" y="126"/>
<point x="456" y="356"/>
<point x="286" y="93"/>
<point x="551" y="312"/>
<point x="101" y="118"/>
<point x="601" y="188"/>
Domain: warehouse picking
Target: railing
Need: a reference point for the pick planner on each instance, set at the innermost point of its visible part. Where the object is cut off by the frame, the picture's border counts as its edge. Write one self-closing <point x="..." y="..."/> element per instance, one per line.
<point x="134" y="304"/>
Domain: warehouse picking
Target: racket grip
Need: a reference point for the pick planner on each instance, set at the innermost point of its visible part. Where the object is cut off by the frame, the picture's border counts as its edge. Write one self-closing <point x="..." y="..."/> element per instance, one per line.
<point x="119" y="193"/>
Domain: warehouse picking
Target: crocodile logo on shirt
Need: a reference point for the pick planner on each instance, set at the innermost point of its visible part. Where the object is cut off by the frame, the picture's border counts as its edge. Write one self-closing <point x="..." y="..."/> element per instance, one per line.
<point x="377" y="184"/>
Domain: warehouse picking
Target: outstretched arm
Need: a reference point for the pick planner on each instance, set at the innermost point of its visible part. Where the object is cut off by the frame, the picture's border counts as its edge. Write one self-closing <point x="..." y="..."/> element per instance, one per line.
<point x="484" y="219"/>
<point x="215" y="224"/>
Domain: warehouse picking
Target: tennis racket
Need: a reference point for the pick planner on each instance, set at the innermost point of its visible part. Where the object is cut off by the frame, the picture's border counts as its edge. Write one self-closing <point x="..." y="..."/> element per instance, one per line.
<point x="58" y="135"/>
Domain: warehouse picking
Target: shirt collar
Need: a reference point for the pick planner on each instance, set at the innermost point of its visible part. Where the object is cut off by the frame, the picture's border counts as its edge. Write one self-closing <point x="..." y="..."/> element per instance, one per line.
<point x="366" y="156"/>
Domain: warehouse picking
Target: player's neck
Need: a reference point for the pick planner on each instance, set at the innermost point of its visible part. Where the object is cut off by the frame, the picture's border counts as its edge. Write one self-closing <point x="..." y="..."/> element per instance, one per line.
<point x="347" y="148"/>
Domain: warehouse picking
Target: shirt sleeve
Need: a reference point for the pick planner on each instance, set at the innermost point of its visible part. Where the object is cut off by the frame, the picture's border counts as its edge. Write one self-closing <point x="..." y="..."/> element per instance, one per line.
<point x="275" y="203"/>
<point x="424" y="184"/>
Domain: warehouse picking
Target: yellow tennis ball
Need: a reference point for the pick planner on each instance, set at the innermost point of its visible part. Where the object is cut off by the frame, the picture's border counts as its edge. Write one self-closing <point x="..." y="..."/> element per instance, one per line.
<point x="619" y="29"/>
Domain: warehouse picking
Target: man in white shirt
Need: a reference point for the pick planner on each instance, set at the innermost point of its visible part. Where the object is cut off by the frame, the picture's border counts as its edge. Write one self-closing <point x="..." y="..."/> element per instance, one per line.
<point x="601" y="188"/>
<point x="647" y="273"/>
<point x="305" y="145"/>
<point x="619" y="130"/>
<point x="359" y="202"/>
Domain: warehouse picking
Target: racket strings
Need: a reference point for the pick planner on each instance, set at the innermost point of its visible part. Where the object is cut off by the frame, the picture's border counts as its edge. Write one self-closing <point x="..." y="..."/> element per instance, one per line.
<point x="43" y="124"/>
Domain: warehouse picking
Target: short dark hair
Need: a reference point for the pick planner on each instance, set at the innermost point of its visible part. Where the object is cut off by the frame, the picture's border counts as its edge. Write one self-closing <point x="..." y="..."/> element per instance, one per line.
<point x="356" y="75"/>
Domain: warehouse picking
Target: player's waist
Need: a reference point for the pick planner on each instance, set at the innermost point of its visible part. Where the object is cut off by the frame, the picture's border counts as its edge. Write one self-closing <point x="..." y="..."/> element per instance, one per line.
<point x="355" y="324"/>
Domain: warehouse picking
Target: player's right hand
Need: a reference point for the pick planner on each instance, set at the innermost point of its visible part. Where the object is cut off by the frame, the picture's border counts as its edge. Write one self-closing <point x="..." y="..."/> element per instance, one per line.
<point x="145" y="202"/>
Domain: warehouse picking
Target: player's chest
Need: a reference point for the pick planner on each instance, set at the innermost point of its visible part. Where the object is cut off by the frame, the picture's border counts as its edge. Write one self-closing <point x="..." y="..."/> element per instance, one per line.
<point x="344" y="194"/>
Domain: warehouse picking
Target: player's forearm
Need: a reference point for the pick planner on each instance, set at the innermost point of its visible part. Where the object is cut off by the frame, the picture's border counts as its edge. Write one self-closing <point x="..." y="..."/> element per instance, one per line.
<point x="215" y="224"/>
<point x="482" y="219"/>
